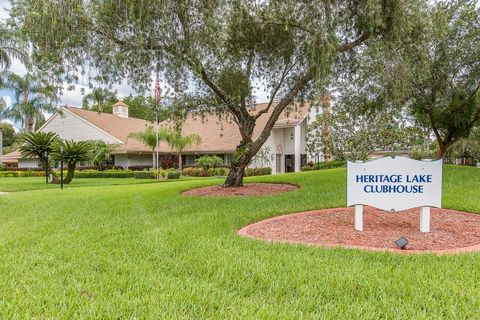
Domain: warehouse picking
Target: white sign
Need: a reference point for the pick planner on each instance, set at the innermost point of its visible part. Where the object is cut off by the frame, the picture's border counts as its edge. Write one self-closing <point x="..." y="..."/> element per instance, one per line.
<point x="395" y="183"/>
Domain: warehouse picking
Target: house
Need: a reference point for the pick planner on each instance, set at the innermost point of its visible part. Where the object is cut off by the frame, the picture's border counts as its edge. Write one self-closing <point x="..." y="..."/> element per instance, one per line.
<point x="284" y="151"/>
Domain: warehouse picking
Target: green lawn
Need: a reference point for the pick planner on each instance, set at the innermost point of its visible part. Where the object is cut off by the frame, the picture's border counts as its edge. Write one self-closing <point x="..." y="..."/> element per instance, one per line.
<point x="34" y="183"/>
<point x="143" y="251"/>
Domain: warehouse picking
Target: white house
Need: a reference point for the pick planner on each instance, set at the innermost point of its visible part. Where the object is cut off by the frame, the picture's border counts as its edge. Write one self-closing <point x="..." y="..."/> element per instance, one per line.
<point x="286" y="145"/>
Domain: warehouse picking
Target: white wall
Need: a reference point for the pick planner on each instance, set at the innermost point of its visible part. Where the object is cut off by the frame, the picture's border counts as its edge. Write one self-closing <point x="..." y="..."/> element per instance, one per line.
<point x="127" y="160"/>
<point x="289" y="144"/>
<point x="121" y="160"/>
<point x="28" y="163"/>
<point x="69" y="126"/>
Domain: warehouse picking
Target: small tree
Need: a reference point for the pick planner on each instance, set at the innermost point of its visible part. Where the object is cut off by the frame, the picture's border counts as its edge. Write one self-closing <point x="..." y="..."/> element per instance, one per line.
<point x="74" y="152"/>
<point x="206" y="162"/>
<point x="38" y="145"/>
<point x="178" y="143"/>
<point x="101" y="152"/>
<point x="99" y="97"/>
<point x="149" y="139"/>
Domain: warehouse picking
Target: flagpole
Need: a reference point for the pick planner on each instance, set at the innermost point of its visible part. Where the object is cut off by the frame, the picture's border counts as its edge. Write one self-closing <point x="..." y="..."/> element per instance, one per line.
<point x="158" y="93"/>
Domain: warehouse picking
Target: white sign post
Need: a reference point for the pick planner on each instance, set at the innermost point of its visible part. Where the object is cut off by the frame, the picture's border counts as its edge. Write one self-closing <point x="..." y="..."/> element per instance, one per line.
<point x="395" y="184"/>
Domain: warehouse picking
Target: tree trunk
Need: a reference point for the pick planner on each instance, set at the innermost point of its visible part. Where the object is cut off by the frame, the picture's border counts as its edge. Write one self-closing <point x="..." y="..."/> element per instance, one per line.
<point x="30" y="124"/>
<point x="326" y="134"/>
<point x="70" y="173"/>
<point x="441" y="151"/>
<point x="180" y="164"/>
<point x="1" y="143"/>
<point x="154" y="158"/>
<point x="235" y="176"/>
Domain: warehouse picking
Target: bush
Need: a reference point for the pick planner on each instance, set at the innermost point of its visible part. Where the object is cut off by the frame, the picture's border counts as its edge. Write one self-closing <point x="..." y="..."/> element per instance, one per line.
<point x="258" y="171"/>
<point x="325" y="165"/>
<point x="173" y="174"/>
<point x="200" y="172"/>
<point x="308" y="168"/>
<point x="4" y="174"/>
<point x="207" y="162"/>
<point x="422" y="154"/>
<point x="143" y="175"/>
<point x="104" y="174"/>
<point x="2" y="167"/>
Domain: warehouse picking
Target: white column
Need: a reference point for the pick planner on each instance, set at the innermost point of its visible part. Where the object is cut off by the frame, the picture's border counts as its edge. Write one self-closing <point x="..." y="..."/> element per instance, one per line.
<point x="274" y="164"/>
<point x="297" y="147"/>
<point x="359" y="217"/>
<point x="425" y="219"/>
<point x="425" y="214"/>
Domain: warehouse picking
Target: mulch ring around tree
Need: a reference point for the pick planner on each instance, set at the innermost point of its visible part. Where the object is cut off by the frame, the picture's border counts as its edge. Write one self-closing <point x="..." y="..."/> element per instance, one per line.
<point x="248" y="189"/>
<point x="450" y="231"/>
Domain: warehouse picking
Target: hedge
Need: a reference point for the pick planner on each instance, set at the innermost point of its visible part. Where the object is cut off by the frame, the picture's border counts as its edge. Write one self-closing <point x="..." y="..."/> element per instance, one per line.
<point x="199" y="172"/>
<point x="22" y="174"/>
<point x="165" y="174"/>
<point x="265" y="171"/>
<point x="324" y="165"/>
<point x="143" y="175"/>
<point x="104" y="174"/>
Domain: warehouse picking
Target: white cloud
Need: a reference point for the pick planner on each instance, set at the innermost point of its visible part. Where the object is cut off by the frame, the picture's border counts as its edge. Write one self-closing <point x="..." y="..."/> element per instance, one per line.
<point x="4" y="9"/>
<point x="8" y="101"/>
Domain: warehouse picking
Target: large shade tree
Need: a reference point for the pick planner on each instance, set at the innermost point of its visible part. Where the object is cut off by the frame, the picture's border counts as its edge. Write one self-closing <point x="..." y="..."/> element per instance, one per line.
<point x="446" y="75"/>
<point x="225" y="49"/>
<point x="434" y="73"/>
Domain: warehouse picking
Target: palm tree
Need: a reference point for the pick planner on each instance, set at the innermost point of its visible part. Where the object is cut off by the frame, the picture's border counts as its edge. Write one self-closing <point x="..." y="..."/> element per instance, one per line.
<point x="99" y="96"/>
<point x="31" y="98"/>
<point x="149" y="138"/>
<point x="101" y="151"/>
<point x="74" y="152"/>
<point x="179" y="143"/>
<point x="9" y="49"/>
<point x="38" y="145"/>
<point x="3" y="115"/>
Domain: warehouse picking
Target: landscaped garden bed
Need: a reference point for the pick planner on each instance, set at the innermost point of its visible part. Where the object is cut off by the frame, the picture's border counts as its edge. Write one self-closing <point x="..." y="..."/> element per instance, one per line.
<point x="248" y="189"/>
<point x="451" y="232"/>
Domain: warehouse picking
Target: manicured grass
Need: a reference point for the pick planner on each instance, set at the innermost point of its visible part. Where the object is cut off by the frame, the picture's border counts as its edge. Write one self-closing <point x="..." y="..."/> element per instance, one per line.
<point x="143" y="251"/>
<point x="34" y="183"/>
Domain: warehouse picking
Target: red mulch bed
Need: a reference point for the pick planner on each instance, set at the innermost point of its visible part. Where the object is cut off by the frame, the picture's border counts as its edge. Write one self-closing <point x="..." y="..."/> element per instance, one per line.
<point x="450" y="231"/>
<point x="248" y="189"/>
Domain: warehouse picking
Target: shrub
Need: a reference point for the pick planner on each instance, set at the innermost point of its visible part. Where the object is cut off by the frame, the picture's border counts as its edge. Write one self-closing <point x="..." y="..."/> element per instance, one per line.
<point x="200" y="172"/>
<point x="307" y="168"/>
<point x="143" y="174"/>
<point x="422" y="154"/>
<point x="207" y="162"/>
<point x="104" y="174"/>
<point x="22" y="174"/>
<point x="2" y="167"/>
<point x="258" y="171"/>
<point x="325" y="165"/>
<point x="173" y="174"/>
<point x="220" y="171"/>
